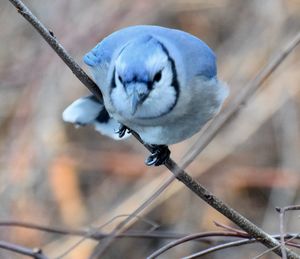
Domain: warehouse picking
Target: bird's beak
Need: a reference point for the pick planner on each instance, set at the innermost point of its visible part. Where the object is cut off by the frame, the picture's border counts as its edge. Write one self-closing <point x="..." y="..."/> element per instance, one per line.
<point x="137" y="93"/>
<point x="136" y="100"/>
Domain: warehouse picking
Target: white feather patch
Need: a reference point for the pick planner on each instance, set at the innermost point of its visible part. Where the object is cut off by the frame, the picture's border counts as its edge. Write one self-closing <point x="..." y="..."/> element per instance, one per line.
<point x="85" y="111"/>
<point x="82" y="111"/>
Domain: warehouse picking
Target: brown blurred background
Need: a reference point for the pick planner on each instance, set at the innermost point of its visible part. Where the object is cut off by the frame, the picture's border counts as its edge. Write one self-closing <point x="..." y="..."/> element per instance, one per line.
<point x="54" y="174"/>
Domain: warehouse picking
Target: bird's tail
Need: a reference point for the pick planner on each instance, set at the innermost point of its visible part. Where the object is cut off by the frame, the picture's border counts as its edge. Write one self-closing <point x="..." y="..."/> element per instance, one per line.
<point x="89" y="111"/>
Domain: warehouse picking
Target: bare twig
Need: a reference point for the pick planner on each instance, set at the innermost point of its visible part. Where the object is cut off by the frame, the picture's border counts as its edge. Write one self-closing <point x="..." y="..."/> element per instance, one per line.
<point x="282" y="232"/>
<point x="180" y="237"/>
<point x="98" y="235"/>
<point x="220" y="247"/>
<point x="192" y="237"/>
<point x="231" y="229"/>
<point x="180" y="174"/>
<point x="100" y="249"/>
<point x="189" y="238"/>
<point x="230" y="213"/>
<point x="287" y="208"/>
<point x="143" y="219"/>
<point x="94" y="231"/>
<point x="34" y="253"/>
<point x="240" y="100"/>
<point x="281" y="246"/>
<point x="282" y="225"/>
<point x="57" y="47"/>
<point x="234" y="244"/>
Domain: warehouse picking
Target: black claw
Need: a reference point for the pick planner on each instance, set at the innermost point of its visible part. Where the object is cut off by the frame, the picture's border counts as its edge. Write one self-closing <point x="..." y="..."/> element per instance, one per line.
<point x="160" y="154"/>
<point x="122" y="131"/>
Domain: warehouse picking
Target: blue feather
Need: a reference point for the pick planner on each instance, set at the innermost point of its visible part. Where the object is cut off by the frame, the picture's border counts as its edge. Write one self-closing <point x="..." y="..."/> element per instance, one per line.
<point x="202" y="60"/>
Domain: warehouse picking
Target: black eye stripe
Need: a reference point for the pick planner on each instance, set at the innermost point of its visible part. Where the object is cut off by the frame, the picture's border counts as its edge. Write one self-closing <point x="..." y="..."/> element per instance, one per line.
<point x="175" y="82"/>
<point x="113" y="80"/>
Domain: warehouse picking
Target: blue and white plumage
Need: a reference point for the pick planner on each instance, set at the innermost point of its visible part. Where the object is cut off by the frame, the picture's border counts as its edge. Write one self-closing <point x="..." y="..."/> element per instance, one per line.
<point x="162" y="83"/>
<point x="88" y="111"/>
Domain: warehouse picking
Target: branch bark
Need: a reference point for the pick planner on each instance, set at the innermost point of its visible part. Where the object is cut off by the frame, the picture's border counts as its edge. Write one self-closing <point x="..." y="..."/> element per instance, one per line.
<point x="180" y="174"/>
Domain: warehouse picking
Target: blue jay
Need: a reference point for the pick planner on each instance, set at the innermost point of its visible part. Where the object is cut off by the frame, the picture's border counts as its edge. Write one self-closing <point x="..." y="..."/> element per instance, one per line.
<point x="160" y="82"/>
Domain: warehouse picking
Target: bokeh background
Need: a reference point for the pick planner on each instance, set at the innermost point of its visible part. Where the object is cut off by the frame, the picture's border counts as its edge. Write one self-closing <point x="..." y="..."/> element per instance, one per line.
<point x="54" y="174"/>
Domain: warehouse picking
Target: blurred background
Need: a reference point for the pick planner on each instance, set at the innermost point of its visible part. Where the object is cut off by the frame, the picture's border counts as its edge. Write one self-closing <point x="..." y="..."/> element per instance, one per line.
<point x="53" y="174"/>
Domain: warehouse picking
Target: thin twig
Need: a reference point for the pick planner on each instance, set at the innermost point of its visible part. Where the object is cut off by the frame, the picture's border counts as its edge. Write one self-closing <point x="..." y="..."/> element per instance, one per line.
<point x="54" y="230"/>
<point x="234" y="244"/>
<point x="100" y="248"/>
<point x="180" y="174"/>
<point x="189" y="238"/>
<point x="217" y="247"/>
<point x="97" y="235"/>
<point x="34" y="253"/>
<point x="180" y="238"/>
<point x="220" y="247"/>
<point x="282" y="225"/>
<point x="143" y="219"/>
<point x="227" y="211"/>
<point x="128" y="234"/>
<point x="231" y="229"/>
<point x="287" y="208"/>
<point x="271" y="249"/>
<point x="239" y="101"/>
<point x="282" y="232"/>
<point x="57" y="47"/>
<point x="94" y="231"/>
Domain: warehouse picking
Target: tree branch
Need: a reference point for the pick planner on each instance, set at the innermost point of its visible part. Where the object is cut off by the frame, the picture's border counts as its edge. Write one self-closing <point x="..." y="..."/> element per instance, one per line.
<point x="242" y="97"/>
<point x="180" y="174"/>
<point x="57" y="47"/>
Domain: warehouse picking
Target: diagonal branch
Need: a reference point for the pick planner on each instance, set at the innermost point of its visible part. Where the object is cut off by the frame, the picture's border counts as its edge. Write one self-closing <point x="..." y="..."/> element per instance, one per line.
<point x="180" y="174"/>
<point x="242" y="97"/>
<point x="57" y="47"/>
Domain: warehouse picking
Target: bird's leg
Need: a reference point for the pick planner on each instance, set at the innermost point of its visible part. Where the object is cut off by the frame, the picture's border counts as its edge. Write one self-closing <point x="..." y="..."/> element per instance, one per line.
<point x="122" y="130"/>
<point x="160" y="154"/>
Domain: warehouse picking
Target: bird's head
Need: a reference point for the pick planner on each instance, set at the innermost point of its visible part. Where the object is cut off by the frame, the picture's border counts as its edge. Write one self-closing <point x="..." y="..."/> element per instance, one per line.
<point x="144" y="83"/>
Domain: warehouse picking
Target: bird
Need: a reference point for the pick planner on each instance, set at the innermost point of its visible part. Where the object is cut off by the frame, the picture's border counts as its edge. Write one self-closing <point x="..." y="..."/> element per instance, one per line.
<point x="158" y="82"/>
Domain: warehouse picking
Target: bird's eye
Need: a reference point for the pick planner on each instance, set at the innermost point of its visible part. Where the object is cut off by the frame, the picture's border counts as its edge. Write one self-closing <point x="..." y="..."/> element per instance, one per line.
<point x="157" y="76"/>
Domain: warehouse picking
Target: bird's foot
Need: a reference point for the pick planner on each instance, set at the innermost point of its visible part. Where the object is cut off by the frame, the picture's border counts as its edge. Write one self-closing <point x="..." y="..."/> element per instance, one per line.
<point x="160" y="154"/>
<point x="122" y="131"/>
